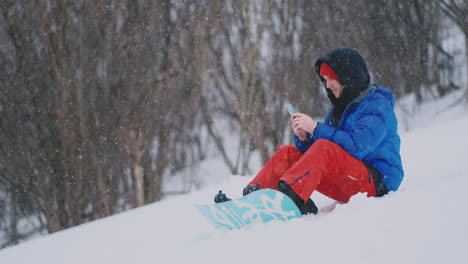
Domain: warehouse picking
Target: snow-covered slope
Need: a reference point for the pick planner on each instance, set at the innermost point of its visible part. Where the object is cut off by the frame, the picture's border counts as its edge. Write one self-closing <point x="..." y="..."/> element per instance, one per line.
<point x="426" y="221"/>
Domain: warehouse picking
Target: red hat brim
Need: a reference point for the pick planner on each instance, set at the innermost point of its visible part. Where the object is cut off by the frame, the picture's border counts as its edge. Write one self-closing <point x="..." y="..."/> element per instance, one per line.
<point x="325" y="70"/>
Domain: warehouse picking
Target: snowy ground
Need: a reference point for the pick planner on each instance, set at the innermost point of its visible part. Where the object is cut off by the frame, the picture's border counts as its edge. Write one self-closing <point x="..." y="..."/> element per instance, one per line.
<point x="426" y="221"/>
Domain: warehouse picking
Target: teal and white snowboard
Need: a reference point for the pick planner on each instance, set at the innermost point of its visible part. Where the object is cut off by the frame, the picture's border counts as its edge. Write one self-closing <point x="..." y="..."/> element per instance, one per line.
<point x="260" y="206"/>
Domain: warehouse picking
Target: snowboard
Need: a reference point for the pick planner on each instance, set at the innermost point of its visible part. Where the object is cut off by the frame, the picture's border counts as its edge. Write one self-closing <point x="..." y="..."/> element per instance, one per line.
<point x="261" y="206"/>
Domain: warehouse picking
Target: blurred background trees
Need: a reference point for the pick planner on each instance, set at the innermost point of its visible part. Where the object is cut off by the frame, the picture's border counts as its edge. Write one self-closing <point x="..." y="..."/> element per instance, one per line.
<point x="99" y="100"/>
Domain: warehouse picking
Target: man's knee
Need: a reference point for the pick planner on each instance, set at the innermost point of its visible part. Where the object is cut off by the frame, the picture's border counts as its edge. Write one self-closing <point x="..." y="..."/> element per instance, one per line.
<point x="286" y="148"/>
<point x="323" y="142"/>
<point x="325" y="145"/>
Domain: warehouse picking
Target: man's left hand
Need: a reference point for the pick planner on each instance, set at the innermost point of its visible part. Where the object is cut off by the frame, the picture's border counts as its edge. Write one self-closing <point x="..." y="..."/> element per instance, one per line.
<point x="303" y="122"/>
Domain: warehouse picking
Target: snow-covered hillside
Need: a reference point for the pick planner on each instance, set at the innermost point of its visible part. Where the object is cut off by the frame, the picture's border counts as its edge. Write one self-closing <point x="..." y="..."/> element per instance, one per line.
<point x="426" y="221"/>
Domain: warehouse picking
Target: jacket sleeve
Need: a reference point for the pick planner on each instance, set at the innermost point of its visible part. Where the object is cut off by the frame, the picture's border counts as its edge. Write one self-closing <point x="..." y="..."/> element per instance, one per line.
<point x="303" y="146"/>
<point x="366" y="129"/>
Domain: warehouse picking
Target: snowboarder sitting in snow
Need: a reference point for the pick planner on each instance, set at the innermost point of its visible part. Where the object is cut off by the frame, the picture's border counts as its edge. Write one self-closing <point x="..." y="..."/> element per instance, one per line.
<point x="355" y="150"/>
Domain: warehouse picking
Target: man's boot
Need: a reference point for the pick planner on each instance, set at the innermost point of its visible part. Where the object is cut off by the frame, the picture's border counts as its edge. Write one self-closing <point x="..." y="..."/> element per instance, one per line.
<point x="251" y="188"/>
<point x="306" y="208"/>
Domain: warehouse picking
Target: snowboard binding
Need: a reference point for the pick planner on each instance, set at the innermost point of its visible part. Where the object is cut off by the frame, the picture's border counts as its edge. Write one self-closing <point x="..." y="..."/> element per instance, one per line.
<point x="221" y="197"/>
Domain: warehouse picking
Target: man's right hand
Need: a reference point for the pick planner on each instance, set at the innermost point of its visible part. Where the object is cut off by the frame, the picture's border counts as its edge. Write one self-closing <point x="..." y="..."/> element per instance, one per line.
<point x="299" y="131"/>
<point x="301" y="134"/>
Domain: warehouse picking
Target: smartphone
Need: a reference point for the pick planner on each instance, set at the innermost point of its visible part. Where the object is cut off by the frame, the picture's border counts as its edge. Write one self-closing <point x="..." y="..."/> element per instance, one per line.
<point x="291" y="109"/>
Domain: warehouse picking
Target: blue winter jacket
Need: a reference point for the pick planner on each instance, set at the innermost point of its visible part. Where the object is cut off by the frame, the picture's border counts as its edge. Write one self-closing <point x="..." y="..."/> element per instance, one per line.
<point x="367" y="130"/>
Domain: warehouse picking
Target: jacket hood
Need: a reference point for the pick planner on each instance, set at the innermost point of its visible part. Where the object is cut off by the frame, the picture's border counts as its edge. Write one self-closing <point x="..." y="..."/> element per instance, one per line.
<point x="350" y="67"/>
<point x="387" y="94"/>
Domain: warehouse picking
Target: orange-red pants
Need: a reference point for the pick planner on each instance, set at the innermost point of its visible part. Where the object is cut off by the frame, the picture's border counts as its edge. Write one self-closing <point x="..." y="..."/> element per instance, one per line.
<point x="325" y="167"/>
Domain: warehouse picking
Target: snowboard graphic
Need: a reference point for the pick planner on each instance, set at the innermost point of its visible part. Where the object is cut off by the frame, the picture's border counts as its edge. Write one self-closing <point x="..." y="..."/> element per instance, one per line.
<point x="260" y="206"/>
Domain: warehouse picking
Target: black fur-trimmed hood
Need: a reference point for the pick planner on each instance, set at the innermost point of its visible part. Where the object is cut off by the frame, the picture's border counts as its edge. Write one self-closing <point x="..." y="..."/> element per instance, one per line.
<point x="350" y="68"/>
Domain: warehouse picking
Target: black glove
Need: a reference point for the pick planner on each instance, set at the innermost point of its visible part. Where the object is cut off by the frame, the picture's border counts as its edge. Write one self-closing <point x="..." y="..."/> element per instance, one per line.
<point x="221" y="197"/>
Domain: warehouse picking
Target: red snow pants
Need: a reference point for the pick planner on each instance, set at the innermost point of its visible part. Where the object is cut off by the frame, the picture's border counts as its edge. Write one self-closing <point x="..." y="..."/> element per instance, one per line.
<point x="325" y="167"/>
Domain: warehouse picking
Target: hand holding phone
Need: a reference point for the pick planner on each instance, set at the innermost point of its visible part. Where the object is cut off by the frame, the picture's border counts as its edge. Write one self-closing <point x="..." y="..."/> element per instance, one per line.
<point x="299" y="132"/>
